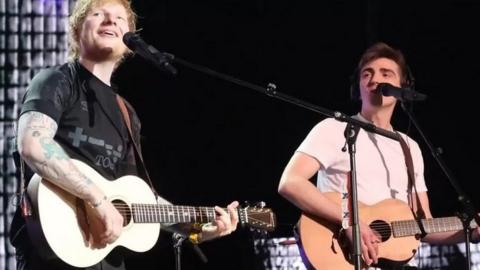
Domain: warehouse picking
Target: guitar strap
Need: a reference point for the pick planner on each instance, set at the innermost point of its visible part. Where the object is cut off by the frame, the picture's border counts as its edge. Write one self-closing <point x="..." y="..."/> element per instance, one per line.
<point x="138" y="155"/>
<point x="411" y="184"/>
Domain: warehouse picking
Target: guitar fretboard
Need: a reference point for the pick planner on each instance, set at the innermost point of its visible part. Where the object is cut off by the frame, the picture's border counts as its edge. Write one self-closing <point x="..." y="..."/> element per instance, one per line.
<point x="153" y="213"/>
<point x="403" y="228"/>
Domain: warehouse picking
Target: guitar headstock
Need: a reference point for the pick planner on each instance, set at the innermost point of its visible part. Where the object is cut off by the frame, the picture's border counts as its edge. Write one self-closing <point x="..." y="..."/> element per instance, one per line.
<point x="257" y="217"/>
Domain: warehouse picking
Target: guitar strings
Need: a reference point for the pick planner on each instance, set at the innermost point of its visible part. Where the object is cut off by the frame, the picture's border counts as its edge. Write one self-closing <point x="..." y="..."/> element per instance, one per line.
<point x="204" y="212"/>
<point x="142" y="209"/>
<point x="180" y="209"/>
<point x="177" y="212"/>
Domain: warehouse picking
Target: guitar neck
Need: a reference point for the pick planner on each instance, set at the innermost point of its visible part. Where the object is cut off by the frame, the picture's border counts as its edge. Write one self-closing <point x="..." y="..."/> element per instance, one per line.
<point x="153" y="213"/>
<point x="432" y="225"/>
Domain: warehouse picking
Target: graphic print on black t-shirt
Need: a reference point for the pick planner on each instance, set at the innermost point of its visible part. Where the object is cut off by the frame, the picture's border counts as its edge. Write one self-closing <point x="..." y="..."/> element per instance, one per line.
<point x="112" y="154"/>
<point x="90" y="124"/>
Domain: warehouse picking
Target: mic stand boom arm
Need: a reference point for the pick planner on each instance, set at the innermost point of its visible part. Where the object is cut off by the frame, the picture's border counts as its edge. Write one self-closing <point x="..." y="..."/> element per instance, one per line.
<point x="271" y="91"/>
<point x="469" y="212"/>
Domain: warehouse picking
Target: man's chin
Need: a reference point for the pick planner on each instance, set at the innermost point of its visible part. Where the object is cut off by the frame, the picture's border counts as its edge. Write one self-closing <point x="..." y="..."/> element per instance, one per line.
<point x="375" y="100"/>
<point x="110" y="54"/>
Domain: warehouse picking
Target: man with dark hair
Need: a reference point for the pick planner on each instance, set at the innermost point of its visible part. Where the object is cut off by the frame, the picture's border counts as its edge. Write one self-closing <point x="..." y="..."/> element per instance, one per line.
<point x="381" y="171"/>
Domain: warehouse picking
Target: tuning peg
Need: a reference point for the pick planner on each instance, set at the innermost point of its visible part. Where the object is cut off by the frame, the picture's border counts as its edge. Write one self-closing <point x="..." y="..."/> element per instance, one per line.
<point x="260" y="204"/>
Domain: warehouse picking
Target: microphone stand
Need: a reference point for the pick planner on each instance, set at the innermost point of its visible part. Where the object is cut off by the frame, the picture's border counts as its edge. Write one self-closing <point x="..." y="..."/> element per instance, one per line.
<point x="469" y="213"/>
<point x="177" y="248"/>
<point x="271" y="90"/>
<point x="351" y="133"/>
<point x="178" y="240"/>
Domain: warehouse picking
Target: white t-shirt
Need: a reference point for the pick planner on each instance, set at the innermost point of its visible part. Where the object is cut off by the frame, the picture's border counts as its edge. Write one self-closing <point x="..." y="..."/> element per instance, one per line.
<point x="380" y="163"/>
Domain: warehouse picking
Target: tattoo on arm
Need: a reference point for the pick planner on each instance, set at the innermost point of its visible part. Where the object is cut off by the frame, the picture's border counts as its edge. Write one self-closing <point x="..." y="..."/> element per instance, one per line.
<point x="80" y="182"/>
<point x="50" y="160"/>
<point x="52" y="149"/>
<point x="37" y="124"/>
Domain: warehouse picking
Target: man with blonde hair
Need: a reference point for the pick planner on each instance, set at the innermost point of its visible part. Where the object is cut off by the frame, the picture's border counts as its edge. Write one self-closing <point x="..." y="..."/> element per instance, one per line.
<point x="71" y="112"/>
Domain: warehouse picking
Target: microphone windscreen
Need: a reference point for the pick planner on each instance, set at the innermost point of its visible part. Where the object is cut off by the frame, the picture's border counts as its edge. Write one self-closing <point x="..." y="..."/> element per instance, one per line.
<point x="128" y="39"/>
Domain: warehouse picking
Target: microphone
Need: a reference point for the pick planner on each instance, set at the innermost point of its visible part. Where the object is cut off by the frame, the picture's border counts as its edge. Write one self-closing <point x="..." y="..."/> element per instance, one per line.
<point x="402" y="94"/>
<point x="161" y="60"/>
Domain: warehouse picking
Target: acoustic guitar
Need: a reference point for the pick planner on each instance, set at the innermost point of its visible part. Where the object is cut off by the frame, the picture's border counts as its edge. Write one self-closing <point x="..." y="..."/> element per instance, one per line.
<point x="321" y="247"/>
<point x="56" y="224"/>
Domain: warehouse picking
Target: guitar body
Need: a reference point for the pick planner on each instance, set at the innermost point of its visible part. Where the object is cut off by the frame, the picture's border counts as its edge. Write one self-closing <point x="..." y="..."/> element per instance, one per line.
<point x="321" y="248"/>
<point x="59" y="221"/>
<point x="55" y="225"/>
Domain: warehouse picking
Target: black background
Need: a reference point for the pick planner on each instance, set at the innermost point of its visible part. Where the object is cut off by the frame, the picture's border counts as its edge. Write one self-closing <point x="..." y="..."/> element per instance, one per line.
<point x="208" y="141"/>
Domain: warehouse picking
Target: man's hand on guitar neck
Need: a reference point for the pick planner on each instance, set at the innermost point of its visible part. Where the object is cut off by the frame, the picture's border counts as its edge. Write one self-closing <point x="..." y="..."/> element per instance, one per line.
<point x="225" y="223"/>
<point x="104" y="223"/>
<point x="369" y="241"/>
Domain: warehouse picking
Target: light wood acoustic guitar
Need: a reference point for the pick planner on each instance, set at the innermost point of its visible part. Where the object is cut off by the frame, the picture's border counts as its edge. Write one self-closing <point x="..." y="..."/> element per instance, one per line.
<point x="321" y="247"/>
<point x="56" y="224"/>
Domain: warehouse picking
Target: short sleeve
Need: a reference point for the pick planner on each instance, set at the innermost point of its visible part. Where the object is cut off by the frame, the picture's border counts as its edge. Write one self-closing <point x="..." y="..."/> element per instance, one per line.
<point x="49" y="93"/>
<point x="324" y="142"/>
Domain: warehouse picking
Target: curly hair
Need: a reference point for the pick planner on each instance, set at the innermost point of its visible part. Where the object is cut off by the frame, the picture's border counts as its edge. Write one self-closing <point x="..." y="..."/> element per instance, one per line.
<point x="77" y="17"/>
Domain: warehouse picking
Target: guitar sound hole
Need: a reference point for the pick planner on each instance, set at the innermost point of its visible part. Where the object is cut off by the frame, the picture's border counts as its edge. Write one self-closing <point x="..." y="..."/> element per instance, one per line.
<point x="124" y="210"/>
<point x="382" y="229"/>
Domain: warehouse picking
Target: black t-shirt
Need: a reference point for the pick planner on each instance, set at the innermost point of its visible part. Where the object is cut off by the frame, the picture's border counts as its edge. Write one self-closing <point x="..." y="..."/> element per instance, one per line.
<point x="90" y="124"/>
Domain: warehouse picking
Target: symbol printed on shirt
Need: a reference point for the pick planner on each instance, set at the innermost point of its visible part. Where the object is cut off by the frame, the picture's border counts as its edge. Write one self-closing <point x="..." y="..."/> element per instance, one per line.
<point x="84" y="106"/>
<point x="116" y="154"/>
<point x="112" y="154"/>
<point x="104" y="162"/>
<point x="77" y="136"/>
<point x="95" y="141"/>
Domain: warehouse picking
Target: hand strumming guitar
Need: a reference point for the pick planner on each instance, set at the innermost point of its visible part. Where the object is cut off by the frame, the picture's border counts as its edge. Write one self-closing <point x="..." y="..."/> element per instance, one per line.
<point x="104" y="223"/>
<point x="369" y="241"/>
